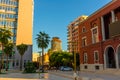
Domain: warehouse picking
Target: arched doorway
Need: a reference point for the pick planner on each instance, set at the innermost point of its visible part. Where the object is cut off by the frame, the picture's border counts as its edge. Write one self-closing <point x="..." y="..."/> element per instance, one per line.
<point x="118" y="56"/>
<point x="110" y="58"/>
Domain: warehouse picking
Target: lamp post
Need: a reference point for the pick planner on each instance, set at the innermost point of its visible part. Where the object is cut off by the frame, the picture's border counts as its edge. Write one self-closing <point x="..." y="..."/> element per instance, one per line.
<point x="74" y="53"/>
<point x="75" y="72"/>
<point x="1" y="61"/>
<point x="39" y="63"/>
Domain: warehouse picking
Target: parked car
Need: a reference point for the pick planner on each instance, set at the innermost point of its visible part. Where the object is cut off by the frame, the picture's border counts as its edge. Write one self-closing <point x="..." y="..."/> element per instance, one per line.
<point x="66" y="68"/>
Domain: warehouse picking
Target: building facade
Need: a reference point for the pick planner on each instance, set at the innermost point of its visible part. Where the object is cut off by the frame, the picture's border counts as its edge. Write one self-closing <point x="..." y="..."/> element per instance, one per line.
<point x="8" y="20"/>
<point x="16" y="17"/>
<point x="35" y="57"/>
<point x="99" y="39"/>
<point x="73" y="37"/>
<point x="56" y="44"/>
<point x="24" y="30"/>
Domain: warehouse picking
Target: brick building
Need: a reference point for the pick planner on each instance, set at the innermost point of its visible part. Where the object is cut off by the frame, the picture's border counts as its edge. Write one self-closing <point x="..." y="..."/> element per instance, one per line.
<point x="99" y="39"/>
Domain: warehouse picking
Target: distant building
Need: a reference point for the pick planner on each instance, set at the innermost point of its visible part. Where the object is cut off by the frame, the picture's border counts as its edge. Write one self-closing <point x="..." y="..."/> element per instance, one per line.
<point x="46" y="59"/>
<point x="73" y="36"/>
<point x="56" y="44"/>
<point x="35" y="57"/>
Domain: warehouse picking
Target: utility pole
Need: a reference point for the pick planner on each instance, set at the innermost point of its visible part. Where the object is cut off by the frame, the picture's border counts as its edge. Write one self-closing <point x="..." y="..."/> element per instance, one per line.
<point x="75" y="72"/>
<point x="39" y="63"/>
<point x="74" y="44"/>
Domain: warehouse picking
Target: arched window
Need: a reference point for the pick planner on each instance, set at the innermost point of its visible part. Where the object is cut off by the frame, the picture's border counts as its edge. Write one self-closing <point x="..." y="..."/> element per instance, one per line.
<point x="83" y="29"/>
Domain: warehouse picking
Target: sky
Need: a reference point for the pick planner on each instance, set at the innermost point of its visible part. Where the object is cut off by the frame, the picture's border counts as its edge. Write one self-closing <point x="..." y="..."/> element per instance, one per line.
<point x="53" y="17"/>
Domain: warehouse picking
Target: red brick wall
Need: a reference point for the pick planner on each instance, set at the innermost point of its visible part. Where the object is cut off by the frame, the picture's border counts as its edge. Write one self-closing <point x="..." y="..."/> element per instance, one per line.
<point x="100" y="47"/>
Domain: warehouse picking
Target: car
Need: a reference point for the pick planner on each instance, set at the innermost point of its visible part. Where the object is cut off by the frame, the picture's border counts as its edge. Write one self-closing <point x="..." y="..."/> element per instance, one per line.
<point x="65" y="68"/>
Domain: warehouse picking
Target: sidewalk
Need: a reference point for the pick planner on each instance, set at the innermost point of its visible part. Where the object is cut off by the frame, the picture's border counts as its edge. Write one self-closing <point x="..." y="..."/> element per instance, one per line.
<point x="109" y="74"/>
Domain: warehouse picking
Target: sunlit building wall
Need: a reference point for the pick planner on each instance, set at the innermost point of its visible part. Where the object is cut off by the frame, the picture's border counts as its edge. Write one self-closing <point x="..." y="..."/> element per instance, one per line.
<point x="35" y="56"/>
<point x="56" y="44"/>
<point x="24" y="30"/>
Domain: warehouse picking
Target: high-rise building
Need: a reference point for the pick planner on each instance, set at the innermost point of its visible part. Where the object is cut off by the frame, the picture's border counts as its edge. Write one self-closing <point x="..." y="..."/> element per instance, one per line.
<point x="17" y="16"/>
<point x="56" y="44"/>
<point x="73" y="37"/>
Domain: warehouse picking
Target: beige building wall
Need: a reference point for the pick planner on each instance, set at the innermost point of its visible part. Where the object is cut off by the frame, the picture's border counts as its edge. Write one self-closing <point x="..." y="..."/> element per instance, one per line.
<point x="35" y="57"/>
<point x="25" y="22"/>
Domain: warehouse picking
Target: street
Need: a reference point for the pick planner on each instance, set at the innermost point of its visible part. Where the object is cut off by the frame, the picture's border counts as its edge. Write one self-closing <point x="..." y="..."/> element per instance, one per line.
<point x="33" y="76"/>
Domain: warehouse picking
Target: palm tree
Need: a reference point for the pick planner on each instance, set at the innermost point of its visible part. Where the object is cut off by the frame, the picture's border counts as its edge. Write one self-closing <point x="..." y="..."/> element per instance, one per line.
<point x="42" y="41"/>
<point x="8" y="51"/>
<point x="21" y="49"/>
<point x="5" y="35"/>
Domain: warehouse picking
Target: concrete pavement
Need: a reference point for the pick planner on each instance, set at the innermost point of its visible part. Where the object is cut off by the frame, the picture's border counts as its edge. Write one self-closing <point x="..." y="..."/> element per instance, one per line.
<point x="97" y="75"/>
<point x="63" y="75"/>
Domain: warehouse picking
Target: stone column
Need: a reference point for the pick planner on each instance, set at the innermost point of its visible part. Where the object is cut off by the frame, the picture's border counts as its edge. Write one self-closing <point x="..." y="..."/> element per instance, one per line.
<point x="113" y="16"/>
<point x="116" y="59"/>
<point x="103" y="28"/>
<point x="104" y="61"/>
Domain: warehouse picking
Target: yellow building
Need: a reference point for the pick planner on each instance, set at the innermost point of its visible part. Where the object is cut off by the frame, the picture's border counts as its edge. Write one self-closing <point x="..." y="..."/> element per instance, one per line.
<point x="35" y="57"/>
<point x="46" y="59"/>
<point x="25" y="22"/>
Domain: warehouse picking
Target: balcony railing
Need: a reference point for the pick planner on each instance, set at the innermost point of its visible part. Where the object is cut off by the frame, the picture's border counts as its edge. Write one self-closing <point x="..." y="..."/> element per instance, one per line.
<point x="114" y="29"/>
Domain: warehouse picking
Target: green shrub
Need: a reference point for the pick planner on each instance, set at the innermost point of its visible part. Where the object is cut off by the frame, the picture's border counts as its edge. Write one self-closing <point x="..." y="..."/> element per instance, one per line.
<point x="30" y="68"/>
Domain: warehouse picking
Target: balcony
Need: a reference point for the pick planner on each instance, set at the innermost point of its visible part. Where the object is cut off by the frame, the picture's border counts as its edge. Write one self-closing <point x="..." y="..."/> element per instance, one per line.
<point x="114" y="29"/>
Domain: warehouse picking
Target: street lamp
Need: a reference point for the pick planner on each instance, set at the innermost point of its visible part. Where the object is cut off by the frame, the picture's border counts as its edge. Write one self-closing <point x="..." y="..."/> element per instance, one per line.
<point x="74" y="53"/>
<point x="39" y="63"/>
<point x="75" y="72"/>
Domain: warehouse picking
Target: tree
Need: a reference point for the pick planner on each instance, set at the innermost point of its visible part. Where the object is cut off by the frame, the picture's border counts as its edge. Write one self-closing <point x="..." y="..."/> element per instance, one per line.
<point x="61" y="58"/>
<point x="5" y="35"/>
<point x="43" y="40"/>
<point x="21" y="49"/>
<point x="8" y="50"/>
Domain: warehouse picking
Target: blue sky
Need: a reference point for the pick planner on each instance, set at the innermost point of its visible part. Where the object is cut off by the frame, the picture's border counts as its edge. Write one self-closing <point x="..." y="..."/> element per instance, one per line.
<point x="53" y="16"/>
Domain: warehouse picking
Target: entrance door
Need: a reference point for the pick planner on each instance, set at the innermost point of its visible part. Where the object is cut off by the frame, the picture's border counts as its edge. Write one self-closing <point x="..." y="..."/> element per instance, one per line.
<point x="110" y="58"/>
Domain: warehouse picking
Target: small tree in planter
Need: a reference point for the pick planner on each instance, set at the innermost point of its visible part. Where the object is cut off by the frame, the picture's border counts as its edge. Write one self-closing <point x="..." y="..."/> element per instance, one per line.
<point x="30" y="68"/>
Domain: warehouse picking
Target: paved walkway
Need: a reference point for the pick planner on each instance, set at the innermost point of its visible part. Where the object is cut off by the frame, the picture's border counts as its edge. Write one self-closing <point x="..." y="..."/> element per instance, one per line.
<point x="85" y="75"/>
<point x="63" y="75"/>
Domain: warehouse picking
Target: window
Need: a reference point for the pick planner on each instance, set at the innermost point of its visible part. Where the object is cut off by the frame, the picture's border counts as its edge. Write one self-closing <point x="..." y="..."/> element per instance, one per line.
<point x="17" y="62"/>
<point x="95" y="38"/>
<point x="13" y="64"/>
<point x="83" y="29"/>
<point x="97" y="67"/>
<point x="24" y="63"/>
<point x="96" y="56"/>
<point x="85" y="58"/>
<point x="84" y="41"/>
